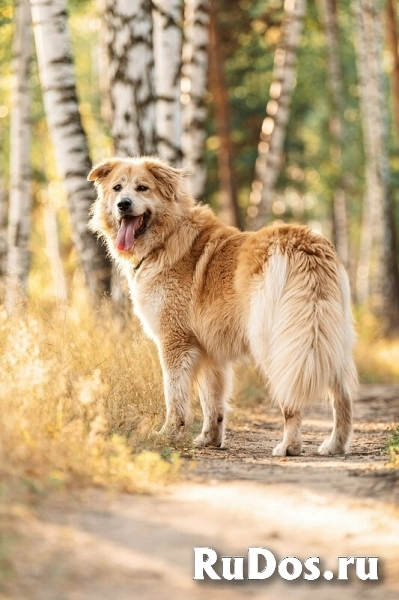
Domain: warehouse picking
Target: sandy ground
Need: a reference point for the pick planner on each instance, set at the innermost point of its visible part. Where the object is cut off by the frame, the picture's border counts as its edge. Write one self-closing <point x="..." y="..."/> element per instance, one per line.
<point x="102" y="547"/>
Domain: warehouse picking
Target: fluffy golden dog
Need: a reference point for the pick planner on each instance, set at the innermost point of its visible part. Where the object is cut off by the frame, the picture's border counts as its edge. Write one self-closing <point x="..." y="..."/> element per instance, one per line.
<point x="209" y="295"/>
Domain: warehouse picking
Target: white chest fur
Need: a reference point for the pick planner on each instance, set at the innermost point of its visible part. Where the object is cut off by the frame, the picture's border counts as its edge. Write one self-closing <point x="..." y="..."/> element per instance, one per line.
<point x="148" y="301"/>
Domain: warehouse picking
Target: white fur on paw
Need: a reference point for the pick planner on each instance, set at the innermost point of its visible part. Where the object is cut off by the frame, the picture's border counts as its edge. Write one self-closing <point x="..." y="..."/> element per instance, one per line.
<point x="327" y="448"/>
<point x="280" y="450"/>
<point x="203" y="440"/>
<point x="199" y="441"/>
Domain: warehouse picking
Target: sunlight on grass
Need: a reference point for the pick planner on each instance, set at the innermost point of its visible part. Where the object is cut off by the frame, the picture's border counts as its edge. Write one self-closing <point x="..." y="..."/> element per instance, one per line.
<point x="377" y="359"/>
<point x="80" y="393"/>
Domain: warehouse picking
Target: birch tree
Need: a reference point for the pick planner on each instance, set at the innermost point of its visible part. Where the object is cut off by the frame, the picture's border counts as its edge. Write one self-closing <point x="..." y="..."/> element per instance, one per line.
<point x="168" y="39"/>
<point x="328" y="10"/>
<point x="194" y="87"/>
<point x="3" y="233"/>
<point x="69" y="140"/>
<point x="132" y="84"/>
<point x="20" y="199"/>
<point x="270" y="148"/>
<point x="377" y="277"/>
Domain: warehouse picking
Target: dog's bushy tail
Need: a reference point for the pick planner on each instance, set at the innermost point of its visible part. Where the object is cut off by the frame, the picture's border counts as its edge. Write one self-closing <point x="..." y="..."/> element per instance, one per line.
<point x="303" y="335"/>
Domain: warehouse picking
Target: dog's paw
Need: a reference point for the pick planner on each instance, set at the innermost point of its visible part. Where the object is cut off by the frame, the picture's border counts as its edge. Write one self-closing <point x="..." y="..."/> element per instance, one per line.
<point x="293" y="449"/>
<point x="280" y="450"/>
<point x="169" y="433"/>
<point x="329" y="448"/>
<point x="204" y="439"/>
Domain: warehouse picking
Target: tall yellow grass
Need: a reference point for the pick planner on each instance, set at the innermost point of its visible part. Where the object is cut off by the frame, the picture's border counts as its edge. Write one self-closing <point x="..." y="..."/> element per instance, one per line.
<point x="79" y="394"/>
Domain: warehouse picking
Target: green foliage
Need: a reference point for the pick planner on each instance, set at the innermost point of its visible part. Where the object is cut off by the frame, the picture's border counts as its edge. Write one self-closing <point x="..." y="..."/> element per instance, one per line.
<point x="393" y="447"/>
<point x="6" y="35"/>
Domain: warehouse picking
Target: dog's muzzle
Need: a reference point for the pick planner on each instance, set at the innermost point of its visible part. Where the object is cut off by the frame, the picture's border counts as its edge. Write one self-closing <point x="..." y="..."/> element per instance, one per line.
<point x="124" y="206"/>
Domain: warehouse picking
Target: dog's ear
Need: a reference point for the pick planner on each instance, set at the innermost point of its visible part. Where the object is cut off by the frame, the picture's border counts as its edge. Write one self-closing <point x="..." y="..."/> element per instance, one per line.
<point x="103" y="169"/>
<point x="168" y="178"/>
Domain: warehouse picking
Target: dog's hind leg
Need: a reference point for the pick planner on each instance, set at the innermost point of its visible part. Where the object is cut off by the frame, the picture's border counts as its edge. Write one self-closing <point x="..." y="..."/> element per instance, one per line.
<point x="214" y="387"/>
<point x="339" y="440"/>
<point x="292" y="439"/>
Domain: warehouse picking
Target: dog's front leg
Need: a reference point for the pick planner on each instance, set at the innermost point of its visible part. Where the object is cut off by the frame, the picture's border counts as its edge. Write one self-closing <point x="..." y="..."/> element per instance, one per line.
<point x="179" y="362"/>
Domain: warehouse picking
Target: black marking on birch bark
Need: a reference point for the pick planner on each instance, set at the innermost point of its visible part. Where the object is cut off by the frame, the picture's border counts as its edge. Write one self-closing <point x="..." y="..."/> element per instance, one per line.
<point x="177" y="151"/>
<point x="65" y="59"/>
<point x="170" y="21"/>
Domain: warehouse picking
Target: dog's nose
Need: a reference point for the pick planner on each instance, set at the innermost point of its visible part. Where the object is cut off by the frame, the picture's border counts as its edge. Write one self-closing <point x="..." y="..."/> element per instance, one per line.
<point x="124" y="204"/>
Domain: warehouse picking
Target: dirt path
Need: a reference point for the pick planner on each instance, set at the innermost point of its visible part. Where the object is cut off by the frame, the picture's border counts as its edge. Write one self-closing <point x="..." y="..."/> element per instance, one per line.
<point x="99" y="547"/>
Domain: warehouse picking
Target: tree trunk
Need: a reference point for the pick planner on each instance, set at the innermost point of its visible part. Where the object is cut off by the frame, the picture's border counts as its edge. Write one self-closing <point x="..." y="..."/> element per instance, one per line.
<point x="131" y="64"/>
<point x="129" y="31"/>
<point x="194" y="87"/>
<point x="228" y="209"/>
<point x="69" y="139"/>
<point x="103" y="66"/>
<point x="270" y="149"/>
<point x="3" y="235"/>
<point x="393" y="41"/>
<point x="168" y="39"/>
<point x="20" y="198"/>
<point x="328" y="9"/>
<point x="378" y="278"/>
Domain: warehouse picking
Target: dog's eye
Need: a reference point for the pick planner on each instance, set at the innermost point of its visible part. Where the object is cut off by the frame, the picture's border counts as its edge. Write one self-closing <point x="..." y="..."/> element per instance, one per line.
<point x="117" y="187"/>
<point x="142" y="188"/>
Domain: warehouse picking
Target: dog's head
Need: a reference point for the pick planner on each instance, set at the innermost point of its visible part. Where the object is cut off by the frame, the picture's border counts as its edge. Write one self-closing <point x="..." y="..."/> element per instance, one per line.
<point x="139" y="200"/>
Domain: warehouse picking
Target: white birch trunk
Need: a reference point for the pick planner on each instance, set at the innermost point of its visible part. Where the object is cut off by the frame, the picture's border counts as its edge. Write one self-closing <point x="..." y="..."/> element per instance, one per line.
<point x="270" y="149"/>
<point x="131" y="62"/>
<point x="377" y="277"/>
<point x="168" y="39"/>
<point x="20" y="199"/>
<point x="328" y="9"/>
<point x="193" y="88"/>
<point x="103" y="66"/>
<point x="69" y="140"/>
<point x="368" y="52"/>
<point x="3" y="235"/>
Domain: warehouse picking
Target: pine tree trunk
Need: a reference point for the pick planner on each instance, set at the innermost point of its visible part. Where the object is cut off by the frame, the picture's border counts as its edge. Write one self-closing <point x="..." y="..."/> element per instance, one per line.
<point x="168" y="40"/>
<point x="194" y="87"/>
<point x="228" y="209"/>
<point x="378" y="278"/>
<point x="393" y="41"/>
<point x="20" y="199"/>
<point x="70" y="145"/>
<point x="131" y="63"/>
<point x="328" y="9"/>
<point x="270" y="149"/>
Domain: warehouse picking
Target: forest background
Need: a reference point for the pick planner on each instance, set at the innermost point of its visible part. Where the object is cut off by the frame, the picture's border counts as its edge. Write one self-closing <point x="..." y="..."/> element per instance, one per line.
<point x="280" y="112"/>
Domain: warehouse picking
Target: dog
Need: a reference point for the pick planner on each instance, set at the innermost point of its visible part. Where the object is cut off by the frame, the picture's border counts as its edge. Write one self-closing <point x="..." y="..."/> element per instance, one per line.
<point x="210" y="295"/>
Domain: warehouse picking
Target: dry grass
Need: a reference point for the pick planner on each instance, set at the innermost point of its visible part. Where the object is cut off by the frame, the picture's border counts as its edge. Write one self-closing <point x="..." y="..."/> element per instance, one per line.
<point x="377" y="358"/>
<point x="79" y="395"/>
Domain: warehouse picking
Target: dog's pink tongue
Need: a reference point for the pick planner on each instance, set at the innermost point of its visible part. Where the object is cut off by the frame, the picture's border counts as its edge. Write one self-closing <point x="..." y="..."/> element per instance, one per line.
<point x="125" y="238"/>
